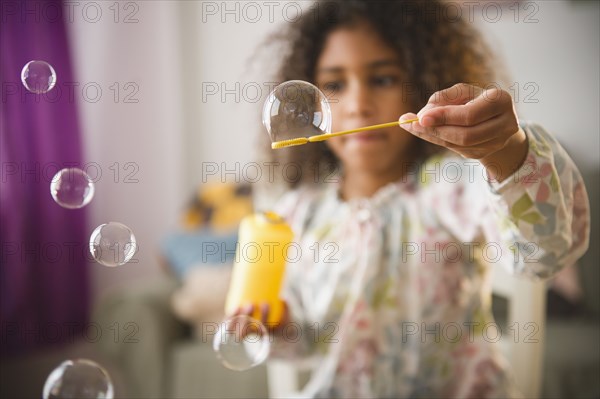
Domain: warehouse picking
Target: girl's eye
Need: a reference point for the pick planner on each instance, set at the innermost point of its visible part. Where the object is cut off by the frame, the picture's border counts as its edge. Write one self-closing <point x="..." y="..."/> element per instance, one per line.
<point x="332" y="87"/>
<point x="383" y="81"/>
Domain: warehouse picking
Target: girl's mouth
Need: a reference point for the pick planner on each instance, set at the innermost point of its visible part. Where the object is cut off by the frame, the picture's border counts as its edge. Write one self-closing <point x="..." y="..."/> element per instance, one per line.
<point x="368" y="137"/>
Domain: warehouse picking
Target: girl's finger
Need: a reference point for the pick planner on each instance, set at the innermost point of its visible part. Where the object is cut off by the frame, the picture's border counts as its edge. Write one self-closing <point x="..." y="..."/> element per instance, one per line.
<point x="491" y="129"/>
<point x="460" y="93"/>
<point x="236" y="312"/>
<point x="264" y="312"/>
<point x="421" y="132"/>
<point x="248" y="309"/>
<point x="477" y="151"/>
<point x="488" y="105"/>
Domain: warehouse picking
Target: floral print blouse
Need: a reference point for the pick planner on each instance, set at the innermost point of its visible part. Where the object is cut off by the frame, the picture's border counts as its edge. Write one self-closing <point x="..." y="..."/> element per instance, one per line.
<point x="390" y="295"/>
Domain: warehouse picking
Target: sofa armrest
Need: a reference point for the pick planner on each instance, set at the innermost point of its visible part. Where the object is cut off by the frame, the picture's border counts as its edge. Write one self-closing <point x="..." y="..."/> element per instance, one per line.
<point x="139" y="330"/>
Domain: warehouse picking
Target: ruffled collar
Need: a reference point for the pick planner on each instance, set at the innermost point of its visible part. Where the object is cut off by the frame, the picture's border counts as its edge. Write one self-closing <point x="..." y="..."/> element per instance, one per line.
<point x="386" y="193"/>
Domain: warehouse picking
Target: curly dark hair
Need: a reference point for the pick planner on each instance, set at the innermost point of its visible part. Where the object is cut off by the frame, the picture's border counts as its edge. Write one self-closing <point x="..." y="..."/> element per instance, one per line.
<point x="436" y="46"/>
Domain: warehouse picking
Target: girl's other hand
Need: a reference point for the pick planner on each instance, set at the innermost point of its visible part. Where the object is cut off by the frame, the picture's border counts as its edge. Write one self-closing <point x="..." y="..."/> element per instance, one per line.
<point x="475" y="123"/>
<point x="264" y="310"/>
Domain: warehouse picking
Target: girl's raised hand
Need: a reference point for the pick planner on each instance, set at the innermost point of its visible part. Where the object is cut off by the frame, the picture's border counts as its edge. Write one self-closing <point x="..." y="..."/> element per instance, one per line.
<point x="475" y="123"/>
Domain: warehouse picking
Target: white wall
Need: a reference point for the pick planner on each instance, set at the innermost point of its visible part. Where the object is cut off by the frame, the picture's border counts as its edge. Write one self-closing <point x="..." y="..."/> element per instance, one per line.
<point x="144" y="138"/>
<point x="225" y="87"/>
<point x="560" y="55"/>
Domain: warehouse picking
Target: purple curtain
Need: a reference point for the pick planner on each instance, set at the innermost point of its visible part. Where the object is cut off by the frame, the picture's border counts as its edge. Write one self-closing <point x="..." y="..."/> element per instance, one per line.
<point x="44" y="287"/>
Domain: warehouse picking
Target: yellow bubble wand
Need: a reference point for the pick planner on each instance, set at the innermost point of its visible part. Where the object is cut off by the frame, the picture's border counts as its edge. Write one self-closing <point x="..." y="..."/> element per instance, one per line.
<point x="325" y="136"/>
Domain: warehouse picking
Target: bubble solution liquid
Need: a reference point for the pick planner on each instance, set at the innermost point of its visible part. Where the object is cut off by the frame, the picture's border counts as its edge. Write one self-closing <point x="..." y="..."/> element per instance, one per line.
<point x="259" y="265"/>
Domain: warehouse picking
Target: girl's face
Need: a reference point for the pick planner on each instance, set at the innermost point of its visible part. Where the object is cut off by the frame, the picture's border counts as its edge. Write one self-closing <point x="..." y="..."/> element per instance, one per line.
<point x="362" y="78"/>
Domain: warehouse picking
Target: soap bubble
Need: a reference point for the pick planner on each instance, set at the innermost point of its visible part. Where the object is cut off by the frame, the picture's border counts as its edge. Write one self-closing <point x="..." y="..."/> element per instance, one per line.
<point x="80" y="379"/>
<point x="72" y="188"/>
<point x="296" y="109"/>
<point x="38" y="76"/>
<point x="112" y="244"/>
<point x="241" y="343"/>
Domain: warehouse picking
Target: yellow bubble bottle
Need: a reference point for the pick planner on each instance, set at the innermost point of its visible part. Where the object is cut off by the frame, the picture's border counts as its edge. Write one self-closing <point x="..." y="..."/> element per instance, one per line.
<point x="259" y="265"/>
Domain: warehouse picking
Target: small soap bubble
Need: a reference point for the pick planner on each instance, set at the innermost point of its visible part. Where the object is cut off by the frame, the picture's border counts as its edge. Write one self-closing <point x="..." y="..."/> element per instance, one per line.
<point x="72" y="188"/>
<point x="78" y="379"/>
<point x="241" y="343"/>
<point x="38" y="76"/>
<point x="296" y="109"/>
<point x="112" y="244"/>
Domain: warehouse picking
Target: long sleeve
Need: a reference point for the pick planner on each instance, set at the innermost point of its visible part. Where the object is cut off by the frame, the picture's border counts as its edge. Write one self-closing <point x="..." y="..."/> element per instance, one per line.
<point x="543" y="209"/>
<point x="534" y="222"/>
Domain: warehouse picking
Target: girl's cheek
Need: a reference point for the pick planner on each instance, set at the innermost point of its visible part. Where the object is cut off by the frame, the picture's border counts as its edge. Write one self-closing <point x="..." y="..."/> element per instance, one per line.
<point x="334" y="145"/>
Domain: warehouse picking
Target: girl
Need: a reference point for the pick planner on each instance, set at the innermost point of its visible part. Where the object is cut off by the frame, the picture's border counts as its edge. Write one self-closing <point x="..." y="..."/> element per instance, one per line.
<point x="414" y="206"/>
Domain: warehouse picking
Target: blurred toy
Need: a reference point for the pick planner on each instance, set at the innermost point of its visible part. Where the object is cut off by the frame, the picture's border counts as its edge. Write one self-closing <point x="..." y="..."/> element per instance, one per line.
<point x="209" y="228"/>
<point x="220" y="206"/>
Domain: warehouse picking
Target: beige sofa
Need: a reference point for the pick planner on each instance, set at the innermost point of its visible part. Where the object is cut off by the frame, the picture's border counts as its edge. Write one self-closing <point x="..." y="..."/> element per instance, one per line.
<point x="161" y="358"/>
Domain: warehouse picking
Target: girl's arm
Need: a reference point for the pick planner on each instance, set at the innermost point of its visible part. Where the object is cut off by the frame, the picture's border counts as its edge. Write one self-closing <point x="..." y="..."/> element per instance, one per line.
<point x="535" y="221"/>
<point x="541" y="210"/>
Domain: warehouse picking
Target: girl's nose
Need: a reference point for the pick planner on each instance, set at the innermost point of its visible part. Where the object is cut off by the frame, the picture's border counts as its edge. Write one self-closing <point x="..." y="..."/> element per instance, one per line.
<point x="359" y="101"/>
